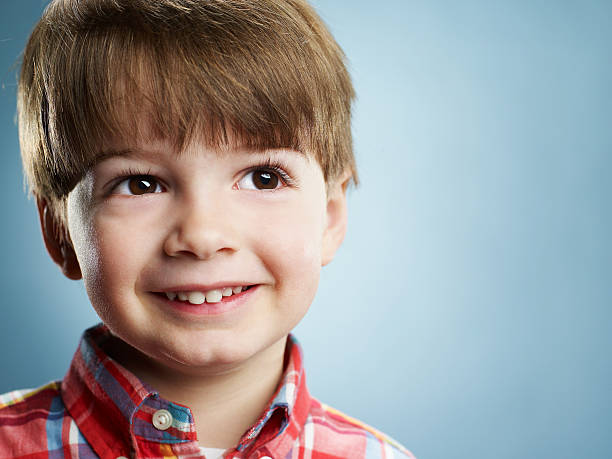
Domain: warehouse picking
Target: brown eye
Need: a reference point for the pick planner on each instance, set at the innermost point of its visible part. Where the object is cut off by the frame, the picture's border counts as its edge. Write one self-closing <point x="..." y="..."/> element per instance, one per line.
<point x="142" y="184"/>
<point x="265" y="180"/>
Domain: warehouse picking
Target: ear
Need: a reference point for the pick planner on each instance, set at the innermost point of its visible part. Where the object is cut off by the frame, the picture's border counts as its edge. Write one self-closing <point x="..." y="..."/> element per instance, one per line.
<point x="57" y="241"/>
<point x="335" y="228"/>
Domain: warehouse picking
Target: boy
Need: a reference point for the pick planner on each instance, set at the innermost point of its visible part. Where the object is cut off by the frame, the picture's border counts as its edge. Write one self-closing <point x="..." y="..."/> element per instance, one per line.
<point x="189" y="160"/>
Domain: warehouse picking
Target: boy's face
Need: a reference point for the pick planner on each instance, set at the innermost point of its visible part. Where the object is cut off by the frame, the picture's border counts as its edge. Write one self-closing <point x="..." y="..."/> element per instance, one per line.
<point x="148" y="223"/>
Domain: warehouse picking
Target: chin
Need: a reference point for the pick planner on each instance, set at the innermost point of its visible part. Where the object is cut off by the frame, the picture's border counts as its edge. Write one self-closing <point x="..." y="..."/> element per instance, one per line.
<point x="201" y="356"/>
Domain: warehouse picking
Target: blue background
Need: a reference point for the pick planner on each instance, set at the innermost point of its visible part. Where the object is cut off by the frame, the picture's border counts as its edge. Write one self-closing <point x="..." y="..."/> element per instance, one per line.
<point x="468" y="312"/>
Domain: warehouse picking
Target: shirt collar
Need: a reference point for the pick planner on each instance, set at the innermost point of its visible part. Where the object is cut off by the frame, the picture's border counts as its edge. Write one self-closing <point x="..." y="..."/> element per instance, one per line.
<point x="114" y="409"/>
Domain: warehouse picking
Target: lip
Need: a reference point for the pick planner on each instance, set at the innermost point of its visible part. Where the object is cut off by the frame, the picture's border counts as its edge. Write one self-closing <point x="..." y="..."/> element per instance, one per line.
<point x="204" y="288"/>
<point x="227" y="305"/>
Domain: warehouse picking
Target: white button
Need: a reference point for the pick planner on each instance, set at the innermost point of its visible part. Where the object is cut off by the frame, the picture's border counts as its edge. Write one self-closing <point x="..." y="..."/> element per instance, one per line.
<point x="122" y="457"/>
<point x="162" y="419"/>
<point x="265" y="457"/>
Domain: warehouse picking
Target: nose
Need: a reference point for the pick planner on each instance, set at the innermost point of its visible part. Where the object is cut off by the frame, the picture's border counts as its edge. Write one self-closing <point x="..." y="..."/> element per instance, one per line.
<point x="201" y="228"/>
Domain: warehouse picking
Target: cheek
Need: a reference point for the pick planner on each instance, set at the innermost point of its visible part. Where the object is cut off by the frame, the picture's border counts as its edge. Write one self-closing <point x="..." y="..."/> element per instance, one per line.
<point x="108" y="271"/>
<point x="290" y="246"/>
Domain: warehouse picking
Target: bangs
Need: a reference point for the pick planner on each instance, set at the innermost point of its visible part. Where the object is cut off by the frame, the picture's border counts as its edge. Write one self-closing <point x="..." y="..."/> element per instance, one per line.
<point x="172" y="89"/>
<point x="234" y="74"/>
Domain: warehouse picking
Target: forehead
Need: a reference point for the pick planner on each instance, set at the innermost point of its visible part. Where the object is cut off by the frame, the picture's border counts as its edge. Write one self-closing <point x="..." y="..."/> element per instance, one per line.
<point x="198" y="163"/>
<point x="152" y="149"/>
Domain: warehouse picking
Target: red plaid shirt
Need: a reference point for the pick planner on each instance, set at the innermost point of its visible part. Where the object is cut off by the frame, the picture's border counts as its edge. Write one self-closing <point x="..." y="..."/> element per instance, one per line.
<point x="102" y="410"/>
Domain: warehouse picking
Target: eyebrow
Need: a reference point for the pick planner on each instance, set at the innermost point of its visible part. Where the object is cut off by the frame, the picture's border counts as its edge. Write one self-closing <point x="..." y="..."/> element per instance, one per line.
<point x="121" y="153"/>
<point x="137" y="153"/>
<point x="106" y="154"/>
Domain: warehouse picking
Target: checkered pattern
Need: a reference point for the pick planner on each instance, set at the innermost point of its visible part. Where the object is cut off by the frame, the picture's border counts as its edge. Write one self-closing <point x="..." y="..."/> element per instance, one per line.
<point x="100" y="409"/>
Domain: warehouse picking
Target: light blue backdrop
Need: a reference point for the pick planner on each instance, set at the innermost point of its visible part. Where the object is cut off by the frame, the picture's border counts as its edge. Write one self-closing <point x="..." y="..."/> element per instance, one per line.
<point x="468" y="312"/>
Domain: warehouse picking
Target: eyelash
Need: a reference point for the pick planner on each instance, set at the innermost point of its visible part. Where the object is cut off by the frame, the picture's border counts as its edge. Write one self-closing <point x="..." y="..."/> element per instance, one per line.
<point x="275" y="166"/>
<point x="128" y="173"/>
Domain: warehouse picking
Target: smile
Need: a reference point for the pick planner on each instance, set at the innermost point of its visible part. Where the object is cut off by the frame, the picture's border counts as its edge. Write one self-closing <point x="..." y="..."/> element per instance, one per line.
<point x="210" y="296"/>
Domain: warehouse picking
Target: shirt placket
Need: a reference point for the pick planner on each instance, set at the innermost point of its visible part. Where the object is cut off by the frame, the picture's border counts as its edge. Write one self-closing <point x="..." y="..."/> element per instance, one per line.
<point x="163" y="429"/>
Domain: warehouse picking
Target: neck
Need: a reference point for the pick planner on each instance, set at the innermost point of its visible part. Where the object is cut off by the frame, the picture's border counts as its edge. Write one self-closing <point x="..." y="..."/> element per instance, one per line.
<point x="224" y="404"/>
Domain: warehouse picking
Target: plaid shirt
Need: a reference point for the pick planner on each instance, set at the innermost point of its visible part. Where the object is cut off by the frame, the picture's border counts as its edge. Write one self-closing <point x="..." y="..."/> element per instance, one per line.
<point x="102" y="410"/>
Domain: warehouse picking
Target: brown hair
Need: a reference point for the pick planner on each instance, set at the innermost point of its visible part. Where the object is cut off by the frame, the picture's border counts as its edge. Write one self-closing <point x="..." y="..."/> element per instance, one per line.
<point x="252" y="73"/>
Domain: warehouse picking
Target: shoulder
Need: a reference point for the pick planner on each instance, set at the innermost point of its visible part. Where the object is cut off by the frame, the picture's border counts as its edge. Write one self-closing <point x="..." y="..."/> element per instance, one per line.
<point x="19" y="399"/>
<point x="340" y="435"/>
<point x="25" y="417"/>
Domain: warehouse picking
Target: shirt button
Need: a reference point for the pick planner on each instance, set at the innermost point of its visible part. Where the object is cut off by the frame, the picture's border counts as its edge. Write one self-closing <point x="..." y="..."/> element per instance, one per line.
<point x="121" y="457"/>
<point x="265" y="457"/>
<point x="162" y="419"/>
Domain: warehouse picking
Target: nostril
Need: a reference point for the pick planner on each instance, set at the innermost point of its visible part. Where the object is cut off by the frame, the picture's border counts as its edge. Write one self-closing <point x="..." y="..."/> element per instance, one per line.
<point x="196" y="236"/>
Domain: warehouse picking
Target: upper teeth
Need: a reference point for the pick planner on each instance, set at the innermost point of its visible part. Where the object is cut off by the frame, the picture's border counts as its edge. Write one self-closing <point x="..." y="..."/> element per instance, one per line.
<point x="210" y="296"/>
